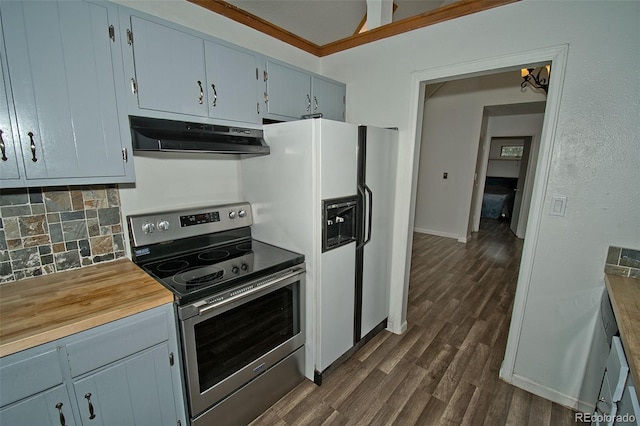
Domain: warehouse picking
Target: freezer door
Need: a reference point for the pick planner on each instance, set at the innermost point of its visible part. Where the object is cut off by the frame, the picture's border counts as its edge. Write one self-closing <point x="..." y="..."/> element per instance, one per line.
<point x="335" y="293"/>
<point x="380" y="172"/>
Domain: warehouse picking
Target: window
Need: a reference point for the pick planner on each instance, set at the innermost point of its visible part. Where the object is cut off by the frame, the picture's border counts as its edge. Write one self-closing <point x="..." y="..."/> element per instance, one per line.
<point x="511" y="151"/>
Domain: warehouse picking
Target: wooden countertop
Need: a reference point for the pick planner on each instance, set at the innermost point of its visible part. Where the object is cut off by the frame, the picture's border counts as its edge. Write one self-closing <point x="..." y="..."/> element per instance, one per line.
<point x="625" y="300"/>
<point x="42" y="309"/>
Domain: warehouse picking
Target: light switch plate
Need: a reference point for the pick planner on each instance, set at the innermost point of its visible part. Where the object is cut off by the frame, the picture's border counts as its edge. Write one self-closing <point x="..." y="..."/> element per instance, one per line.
<point x="558" y="206"/>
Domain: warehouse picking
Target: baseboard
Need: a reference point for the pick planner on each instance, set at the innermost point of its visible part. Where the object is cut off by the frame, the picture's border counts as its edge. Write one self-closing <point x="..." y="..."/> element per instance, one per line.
<point x="550" y="394"/>
<point x="437" y="233"/>
<point x="396" y="330"/>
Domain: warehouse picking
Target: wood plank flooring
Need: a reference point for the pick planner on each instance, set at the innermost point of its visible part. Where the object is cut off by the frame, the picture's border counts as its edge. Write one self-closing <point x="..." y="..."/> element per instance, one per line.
<point x="444" y="369"/>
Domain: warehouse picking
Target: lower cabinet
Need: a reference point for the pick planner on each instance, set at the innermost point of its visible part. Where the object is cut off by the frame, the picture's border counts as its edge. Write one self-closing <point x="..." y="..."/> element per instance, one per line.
<point x="123" y="373"/>
<point x="51" y="407"/>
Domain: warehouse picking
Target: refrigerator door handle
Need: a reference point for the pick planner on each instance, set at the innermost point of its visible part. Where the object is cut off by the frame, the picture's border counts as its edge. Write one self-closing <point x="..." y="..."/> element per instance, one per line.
<point x="366" y="188"/>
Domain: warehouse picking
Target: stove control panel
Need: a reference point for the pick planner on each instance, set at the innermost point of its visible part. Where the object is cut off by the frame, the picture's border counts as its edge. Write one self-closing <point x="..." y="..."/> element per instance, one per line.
<point x="174" y="224"/>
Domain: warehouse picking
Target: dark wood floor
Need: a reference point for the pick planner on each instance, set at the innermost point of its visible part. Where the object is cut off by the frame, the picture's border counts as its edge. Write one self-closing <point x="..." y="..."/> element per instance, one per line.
<point x="444" y="368"/>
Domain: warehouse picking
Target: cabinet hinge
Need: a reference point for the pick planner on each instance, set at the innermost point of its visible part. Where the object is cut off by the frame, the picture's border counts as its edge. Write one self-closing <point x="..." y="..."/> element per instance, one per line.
<point x="258" y="107"/>
<point x="129" y="37"/>
<point x="265" y="75"/>
<point x="171" y="360"/>
<point x="125" y="155"/>
<point x="112" y="33"/>
<point x="134" y="86"/>
<point x="257" y="74"/>
<point x="266" y="97"/>
<point x="344" y="100"/>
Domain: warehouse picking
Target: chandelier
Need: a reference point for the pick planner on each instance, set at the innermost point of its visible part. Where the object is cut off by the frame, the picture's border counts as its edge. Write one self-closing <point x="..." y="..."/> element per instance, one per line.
<point x="538" y="78"/>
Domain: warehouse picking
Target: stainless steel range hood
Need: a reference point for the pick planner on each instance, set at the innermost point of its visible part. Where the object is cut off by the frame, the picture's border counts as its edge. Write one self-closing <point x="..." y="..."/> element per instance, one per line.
<point x="155" y="134"/>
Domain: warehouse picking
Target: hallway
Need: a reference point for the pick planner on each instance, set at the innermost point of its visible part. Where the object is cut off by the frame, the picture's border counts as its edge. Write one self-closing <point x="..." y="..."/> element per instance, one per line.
<point x="444" y="368"/>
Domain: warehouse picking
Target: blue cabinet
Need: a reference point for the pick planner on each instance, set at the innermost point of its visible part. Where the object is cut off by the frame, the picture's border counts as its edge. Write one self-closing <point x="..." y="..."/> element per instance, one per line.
<point x="8" y="158"/>
<point x="169" y="69"/>
<point x="288" y="91"/>
<point x="292" y="93"/>
<point x="182" y="75"/>
<point x="232" y="81"/>
<point x="329" y="98"/>
<point x="33" y="391"/>
<point x="126" y="372"/>
<point x="63" y="70"/>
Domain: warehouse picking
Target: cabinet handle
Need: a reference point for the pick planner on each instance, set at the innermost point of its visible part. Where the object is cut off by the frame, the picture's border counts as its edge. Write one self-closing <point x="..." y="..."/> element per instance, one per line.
<point x="215" y="94"/>
<point x="308" y="103"/>
<point x="33" y="147"/>
<point x="201" y="97"/>
<point x="91" y="413"/>
<point x="62" y="420"/>
<point x="3" y="148"/>
<point x="315" y="104"/>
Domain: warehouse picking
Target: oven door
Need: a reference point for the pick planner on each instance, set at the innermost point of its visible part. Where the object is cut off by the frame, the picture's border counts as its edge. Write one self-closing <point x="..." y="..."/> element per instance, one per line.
<point x="228" y="344"/>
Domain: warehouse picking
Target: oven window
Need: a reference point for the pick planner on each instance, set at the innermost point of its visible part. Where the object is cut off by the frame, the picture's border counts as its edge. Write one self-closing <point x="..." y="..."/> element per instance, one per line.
<point x="229" y="341"/>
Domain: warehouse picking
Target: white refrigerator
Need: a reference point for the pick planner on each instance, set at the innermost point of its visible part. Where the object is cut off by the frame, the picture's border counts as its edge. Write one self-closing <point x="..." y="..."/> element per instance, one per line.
<point x="347" y="287"/>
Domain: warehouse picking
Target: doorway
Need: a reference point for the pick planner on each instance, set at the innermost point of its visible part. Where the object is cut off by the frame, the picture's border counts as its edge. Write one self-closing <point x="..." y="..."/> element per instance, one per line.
<point x="408" y="182"/>
<point x="503" y="126"/>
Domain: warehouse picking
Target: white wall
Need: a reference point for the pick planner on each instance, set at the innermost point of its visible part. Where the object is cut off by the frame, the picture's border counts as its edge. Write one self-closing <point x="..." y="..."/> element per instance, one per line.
<point x="594" y="161"/>
<point x="450" y="139"/>
<point x="503" y="167"/>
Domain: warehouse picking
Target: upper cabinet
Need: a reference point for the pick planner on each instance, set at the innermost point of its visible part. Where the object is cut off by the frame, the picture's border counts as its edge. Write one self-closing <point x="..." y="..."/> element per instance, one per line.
<point x="179" y="73"/>
<point x="8" y="159"/>
<point x="292" y="93"/>
<point x="329" y="98"/>
<point x="232" y="81"/>
<point x="63" y="65"/>
<point x="169" y="69"/>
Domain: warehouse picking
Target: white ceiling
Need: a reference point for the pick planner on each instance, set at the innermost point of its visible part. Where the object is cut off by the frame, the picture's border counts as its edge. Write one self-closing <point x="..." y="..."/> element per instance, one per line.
<point x="325" y="21"/>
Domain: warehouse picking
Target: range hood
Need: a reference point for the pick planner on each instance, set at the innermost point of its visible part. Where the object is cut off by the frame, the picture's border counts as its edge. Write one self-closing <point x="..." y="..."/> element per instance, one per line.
<point x="155" y="134"/>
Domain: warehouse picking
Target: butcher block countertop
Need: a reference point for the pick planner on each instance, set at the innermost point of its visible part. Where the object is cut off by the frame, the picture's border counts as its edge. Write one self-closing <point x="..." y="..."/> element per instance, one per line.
<point x="625" y="300"/>
<point x="42" y="309"/>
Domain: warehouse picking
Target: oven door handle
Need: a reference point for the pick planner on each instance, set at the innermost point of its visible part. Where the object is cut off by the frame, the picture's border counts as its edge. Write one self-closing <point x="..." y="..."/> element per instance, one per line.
<point x="259" y="285"/>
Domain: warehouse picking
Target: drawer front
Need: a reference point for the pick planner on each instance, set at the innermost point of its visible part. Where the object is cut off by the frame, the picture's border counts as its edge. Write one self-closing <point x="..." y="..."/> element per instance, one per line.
<point x="115" y="343"/>
<point x="29" y="376"/>
<point x="617" y="369"/>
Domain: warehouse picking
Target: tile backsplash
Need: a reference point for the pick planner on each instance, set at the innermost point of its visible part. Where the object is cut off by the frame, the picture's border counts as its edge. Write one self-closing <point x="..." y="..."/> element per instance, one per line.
<point x="48" y="230"/>
<point x="623" y="261"/>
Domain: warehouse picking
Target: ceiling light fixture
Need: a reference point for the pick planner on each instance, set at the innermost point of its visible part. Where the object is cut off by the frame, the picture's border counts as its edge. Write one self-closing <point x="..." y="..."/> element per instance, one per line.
<point x="538" y="78"/>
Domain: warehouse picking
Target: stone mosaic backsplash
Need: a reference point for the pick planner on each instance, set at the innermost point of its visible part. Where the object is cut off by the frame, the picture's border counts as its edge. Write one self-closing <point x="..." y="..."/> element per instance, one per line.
<point x="622" y="261"/>
<point x="48" y="230"/>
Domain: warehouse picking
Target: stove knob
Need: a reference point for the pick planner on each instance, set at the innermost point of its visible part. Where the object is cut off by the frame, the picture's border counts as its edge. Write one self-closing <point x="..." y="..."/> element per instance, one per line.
<point x="148" y="228"/>
<point x="235" y="270"/>
<point x="242" y="213"/>
<point x="244" y="266"/>
<point x="163" y="225"/>
<point x="232" y="215"/>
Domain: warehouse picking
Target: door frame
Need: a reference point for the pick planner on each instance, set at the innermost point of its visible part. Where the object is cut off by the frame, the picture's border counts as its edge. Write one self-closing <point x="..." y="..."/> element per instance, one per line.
<point x="408" y="176"/>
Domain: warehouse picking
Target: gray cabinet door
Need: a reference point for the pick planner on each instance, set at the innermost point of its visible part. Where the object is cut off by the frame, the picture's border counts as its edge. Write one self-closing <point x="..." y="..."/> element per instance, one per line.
<point x="169" y="67"/>
<point x="61" y="63"/>
<point x="328" y="98"/>
<point x="232" y="79"/>
<point x="8" y="160"/>
<point x="135" y="391"/>
<point x="288" y="91"/>
<point x="52" y="407"/>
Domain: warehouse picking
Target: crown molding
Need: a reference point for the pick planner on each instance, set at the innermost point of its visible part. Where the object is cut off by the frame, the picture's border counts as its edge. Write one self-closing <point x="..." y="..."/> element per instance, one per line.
<point x="442" y="14"/>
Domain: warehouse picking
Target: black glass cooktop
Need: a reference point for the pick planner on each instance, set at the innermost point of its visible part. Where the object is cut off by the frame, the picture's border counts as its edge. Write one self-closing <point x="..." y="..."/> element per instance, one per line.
<point x="201" y="273"/>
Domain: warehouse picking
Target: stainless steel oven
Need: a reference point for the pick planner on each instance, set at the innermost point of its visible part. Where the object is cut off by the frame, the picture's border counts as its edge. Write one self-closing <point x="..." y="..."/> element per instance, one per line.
<point x="239" y="305"/>
<point x="229" y="343"/>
